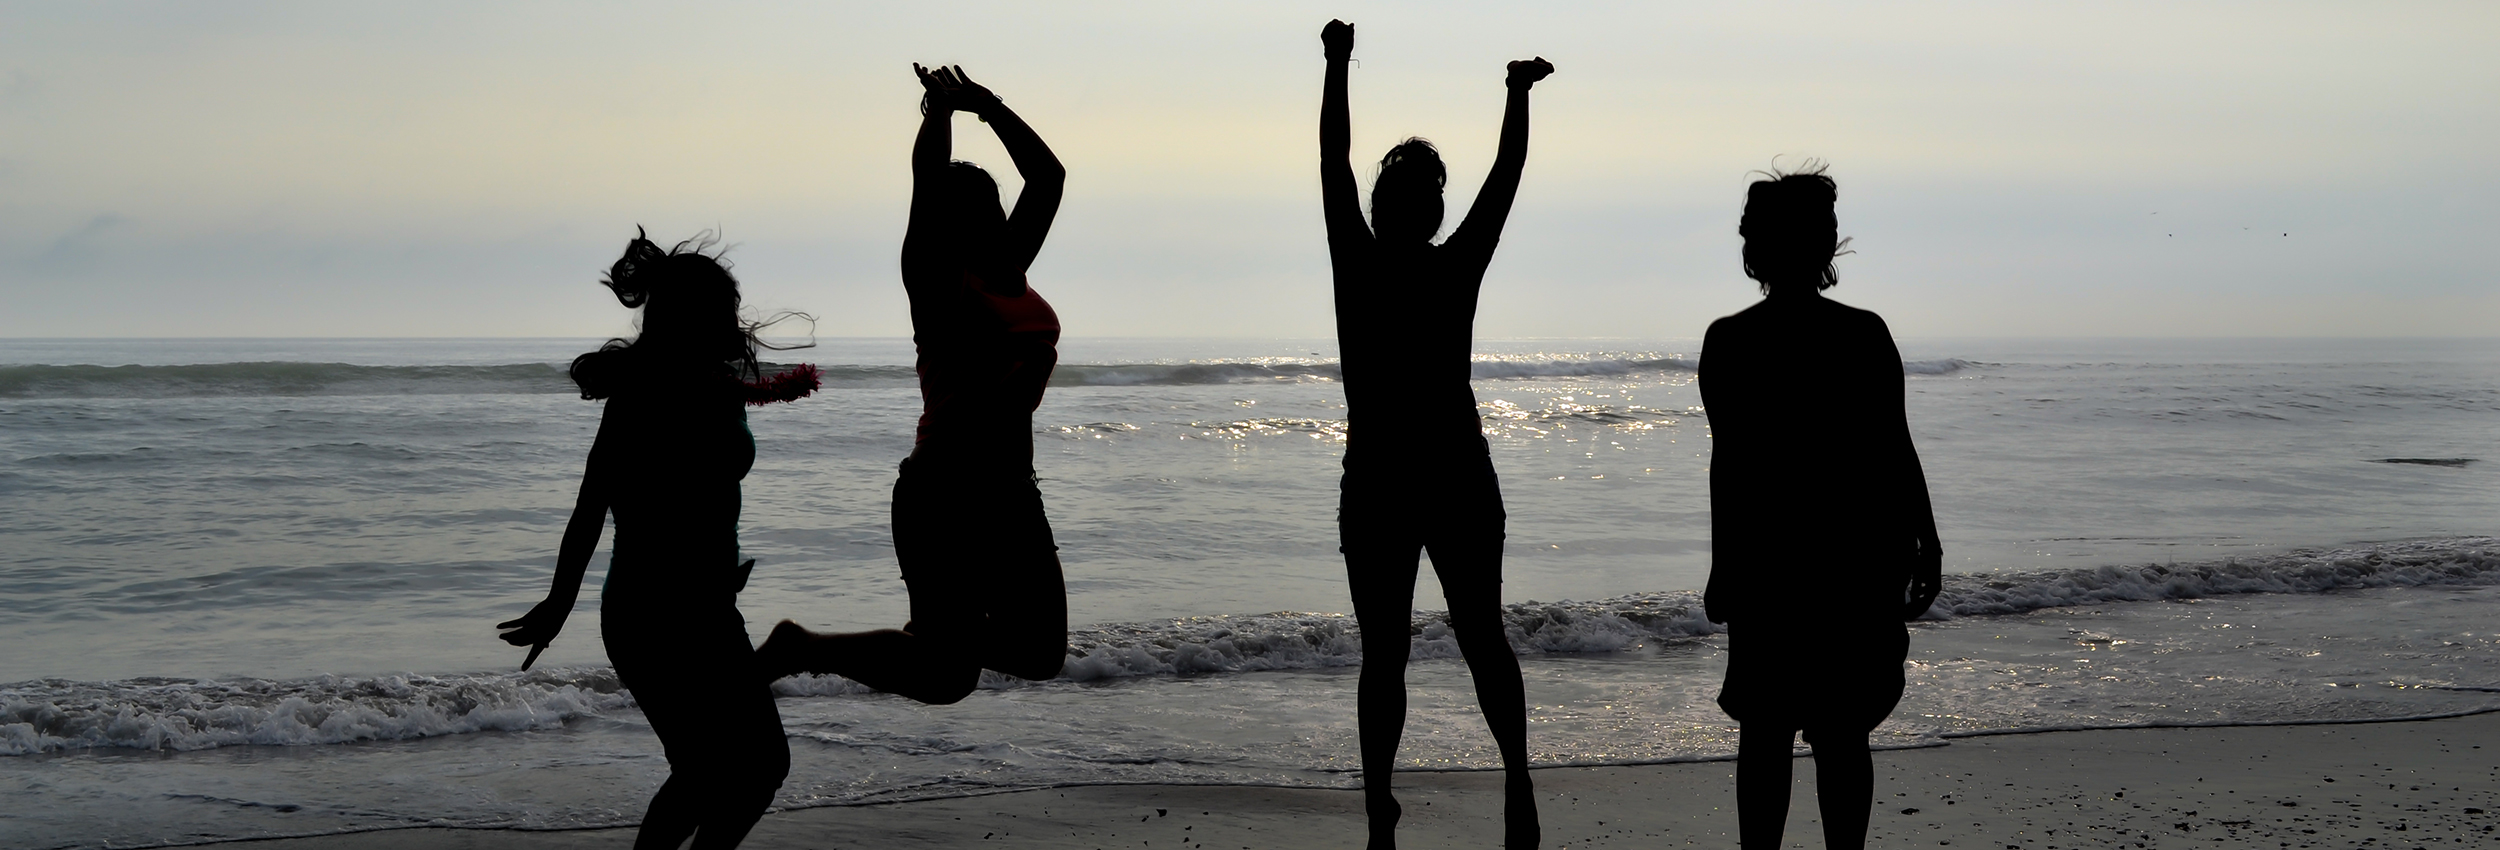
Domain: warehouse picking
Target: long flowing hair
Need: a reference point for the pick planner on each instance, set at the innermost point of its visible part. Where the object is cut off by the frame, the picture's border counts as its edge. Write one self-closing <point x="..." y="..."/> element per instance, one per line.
<point x="692" y="319"/>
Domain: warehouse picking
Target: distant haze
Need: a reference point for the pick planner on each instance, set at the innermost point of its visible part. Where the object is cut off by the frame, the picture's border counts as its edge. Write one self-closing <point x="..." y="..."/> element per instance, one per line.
<point x="467" y="169"/>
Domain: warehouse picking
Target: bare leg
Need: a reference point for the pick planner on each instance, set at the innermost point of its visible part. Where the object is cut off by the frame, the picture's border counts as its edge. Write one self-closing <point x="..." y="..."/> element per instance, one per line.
<point x="674" y="813"/>
<point x="1763" y="765"/>
<point x="1383" y="582"/>
<point x="986" y="592"/>
<point x="1011" y="618"/>
<point x="1471" y="580"/>
<point x="889" y="660"/>
<point x="695" y="682"/>
<point x="1028" y="624"/>
<point x="1844" y="787"/>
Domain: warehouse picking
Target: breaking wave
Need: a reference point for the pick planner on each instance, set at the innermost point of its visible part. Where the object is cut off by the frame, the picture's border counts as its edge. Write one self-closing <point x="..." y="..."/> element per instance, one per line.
<point x="50" y="715"/>
<point x="168" y="714"/>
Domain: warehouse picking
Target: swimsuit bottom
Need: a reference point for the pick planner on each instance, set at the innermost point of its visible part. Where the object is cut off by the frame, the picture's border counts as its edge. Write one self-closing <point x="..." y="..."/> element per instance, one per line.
<point x="971" y="541"/>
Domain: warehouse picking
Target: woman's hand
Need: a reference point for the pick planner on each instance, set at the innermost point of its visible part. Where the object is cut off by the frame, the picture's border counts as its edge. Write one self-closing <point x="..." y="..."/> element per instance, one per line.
<point x="934" y="96"/>
<point x="537" y="628"/>
<point x="1926" y="579"/>
<point x="951" y="88"/>
<point x="1526" y="72"/>
<point x="1336" y="41"/>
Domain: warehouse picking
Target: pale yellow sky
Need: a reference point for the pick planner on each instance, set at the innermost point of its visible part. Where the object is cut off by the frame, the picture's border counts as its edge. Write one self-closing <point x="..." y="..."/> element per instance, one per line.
<point x="267" y="169"/>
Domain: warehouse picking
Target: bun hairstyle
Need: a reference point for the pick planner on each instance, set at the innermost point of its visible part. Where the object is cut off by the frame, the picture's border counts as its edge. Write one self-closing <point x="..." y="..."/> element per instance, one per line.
<point x="1791" y="235"/>
<point x="1409" y="185"/>
<point x="690" y="320"/>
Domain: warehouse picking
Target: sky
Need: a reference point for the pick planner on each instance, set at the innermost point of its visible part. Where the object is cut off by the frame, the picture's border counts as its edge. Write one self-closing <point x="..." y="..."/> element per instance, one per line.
<point x="2006" y="169"/>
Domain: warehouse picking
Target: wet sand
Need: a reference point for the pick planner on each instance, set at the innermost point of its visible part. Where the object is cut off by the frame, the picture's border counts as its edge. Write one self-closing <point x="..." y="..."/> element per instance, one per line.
<point x="2433" y="783"/>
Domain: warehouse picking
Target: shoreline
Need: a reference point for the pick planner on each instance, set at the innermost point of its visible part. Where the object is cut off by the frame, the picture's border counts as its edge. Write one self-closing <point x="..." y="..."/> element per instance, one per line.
<point x="2411" y="781"/>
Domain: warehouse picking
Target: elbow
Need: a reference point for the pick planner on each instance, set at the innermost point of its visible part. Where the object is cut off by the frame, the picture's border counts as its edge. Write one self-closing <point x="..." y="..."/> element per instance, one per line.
<point x="1052" y="173"/>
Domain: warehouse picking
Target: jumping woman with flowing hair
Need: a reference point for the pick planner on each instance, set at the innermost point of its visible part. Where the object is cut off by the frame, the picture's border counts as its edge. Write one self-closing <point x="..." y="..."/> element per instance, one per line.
<point x="672" y="447"/>
<point x="975" y="549"/>
<point x="1406" y="312"/>
<point x="1822" y="539"/>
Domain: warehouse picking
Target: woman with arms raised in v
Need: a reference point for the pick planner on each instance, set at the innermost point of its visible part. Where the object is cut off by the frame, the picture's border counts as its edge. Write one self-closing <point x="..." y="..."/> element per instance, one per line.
<point x="1406" y="311"/>
<point x="975" y="550"/>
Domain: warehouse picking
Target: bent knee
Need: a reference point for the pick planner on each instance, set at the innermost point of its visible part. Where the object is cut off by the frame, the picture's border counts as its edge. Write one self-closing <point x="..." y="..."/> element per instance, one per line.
<point x="948" y="688"/>
<point x="1036" y="667"/>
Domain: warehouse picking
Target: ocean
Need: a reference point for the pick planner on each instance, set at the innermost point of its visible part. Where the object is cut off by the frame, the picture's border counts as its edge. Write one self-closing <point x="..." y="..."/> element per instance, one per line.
<point x="248" y="587"/>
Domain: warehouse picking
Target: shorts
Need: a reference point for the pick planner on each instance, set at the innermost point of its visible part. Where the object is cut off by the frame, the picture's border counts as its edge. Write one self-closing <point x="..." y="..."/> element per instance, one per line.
<point x="971" y="541"/>
<point x="1407" y="504"/>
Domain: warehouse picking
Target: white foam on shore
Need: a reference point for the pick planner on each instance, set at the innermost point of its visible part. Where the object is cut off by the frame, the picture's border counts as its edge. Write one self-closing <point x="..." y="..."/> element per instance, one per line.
<point x="170" y="714"/>
<point x="2455" y="561"/>
<point x="1301" y="641"/>
<point x="162" y="714"/>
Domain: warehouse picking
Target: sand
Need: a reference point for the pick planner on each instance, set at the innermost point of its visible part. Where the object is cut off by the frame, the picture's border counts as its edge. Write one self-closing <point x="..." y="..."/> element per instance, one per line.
<point x="2432" y="783"/>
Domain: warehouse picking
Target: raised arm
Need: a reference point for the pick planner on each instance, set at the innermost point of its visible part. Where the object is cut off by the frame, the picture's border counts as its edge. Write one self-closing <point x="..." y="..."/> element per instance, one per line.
<point x="1045" y="180"/>
<point x="1336" y="138"/>
<point x="1501" y="186"/>
<point x="930" y="153"/>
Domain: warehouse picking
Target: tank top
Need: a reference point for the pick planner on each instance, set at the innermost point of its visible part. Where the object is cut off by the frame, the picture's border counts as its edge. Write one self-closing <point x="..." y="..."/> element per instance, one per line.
<point x="982" y="370"/>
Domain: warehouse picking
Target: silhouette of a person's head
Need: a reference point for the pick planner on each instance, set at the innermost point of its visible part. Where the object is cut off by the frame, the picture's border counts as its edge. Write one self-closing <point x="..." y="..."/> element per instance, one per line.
<point x="690" y="316"/>
<point x="689" y="300"/>
<point x="974" y="215"/>
<point x="1791" y="234"/>
<point x="1406" y="197"/>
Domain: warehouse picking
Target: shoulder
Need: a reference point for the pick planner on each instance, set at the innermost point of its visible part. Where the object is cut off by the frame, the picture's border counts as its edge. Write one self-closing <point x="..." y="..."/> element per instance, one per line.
<point x="1852" y="317"/>
<point x="1471" y="245"/>
<point x="1739" y="325"/>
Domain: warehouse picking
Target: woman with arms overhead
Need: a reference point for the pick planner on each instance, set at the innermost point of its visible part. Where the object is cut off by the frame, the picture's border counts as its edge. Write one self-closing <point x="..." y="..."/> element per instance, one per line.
<point x="975" y="549"/>
<point x="1821" y="537"/>
<point x="672" y="447"/>
<point x="1406" y="312"/>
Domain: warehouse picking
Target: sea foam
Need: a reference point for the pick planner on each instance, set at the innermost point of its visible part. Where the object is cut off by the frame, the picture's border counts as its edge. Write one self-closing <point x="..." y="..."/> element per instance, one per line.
<point x="169" y="714"/>
<point x="163" y="714"/>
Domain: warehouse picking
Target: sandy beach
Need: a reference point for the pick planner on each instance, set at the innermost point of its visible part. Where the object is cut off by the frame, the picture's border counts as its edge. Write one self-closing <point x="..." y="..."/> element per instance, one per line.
<point x="2433" y="783"/>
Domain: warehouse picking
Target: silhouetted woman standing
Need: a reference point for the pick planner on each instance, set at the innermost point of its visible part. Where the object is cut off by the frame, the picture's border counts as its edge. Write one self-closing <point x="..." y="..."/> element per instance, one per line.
<point x="976" y="552"/>
<point x="1821" y="537"/>
<point x="672" y="447"/>
<point x="1406" y="310"/>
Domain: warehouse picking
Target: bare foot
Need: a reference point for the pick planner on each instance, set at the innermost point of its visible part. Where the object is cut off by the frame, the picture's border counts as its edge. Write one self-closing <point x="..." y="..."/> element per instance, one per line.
<point x="1519" y="824"/>
<point x="1383" y="812"/>
<point x="784" y="651"/>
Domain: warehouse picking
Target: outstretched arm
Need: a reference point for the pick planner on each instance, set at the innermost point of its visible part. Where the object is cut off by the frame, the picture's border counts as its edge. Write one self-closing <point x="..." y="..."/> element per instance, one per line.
<point x="539" y="627"/>
<point x="1485" y="218"/>
<point x="1336" y="138"/>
